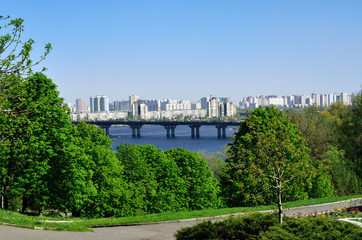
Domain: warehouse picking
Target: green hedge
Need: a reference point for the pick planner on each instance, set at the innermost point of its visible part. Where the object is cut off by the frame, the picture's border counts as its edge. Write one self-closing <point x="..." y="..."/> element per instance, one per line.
<point x="266" y="226"/>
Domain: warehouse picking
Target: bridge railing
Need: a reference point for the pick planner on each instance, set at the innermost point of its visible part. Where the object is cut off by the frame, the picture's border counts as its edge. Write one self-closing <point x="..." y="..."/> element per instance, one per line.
<point x="170" y="126"/>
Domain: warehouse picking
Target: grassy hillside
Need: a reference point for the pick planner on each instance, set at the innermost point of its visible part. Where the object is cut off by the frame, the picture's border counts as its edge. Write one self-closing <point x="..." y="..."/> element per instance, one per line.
<point x="80" y="224"/>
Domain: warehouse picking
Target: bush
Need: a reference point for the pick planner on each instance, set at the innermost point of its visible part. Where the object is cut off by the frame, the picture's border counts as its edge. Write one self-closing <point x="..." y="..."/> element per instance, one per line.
<point x="266" y="226"/>
<point x="159" y="181"/>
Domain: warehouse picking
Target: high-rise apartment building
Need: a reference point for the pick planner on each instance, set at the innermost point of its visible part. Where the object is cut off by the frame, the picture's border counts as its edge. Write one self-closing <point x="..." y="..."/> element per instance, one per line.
<point x="226" y="109"/>
<point x="132" y="100"/>
<point x="81" y="105"/>
<point x="345" y="98"/>
<point x="213" y="108"/>
<point x="99" y="104"/>
<point x="152" y="104"/>
<point x="119" y="106"/>
<point x="204" y="102"/>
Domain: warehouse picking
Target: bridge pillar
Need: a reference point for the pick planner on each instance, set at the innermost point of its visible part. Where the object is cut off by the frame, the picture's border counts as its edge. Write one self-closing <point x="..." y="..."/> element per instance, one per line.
<point x="197" y="131"/>
<point x="193" y="127"/>
<point x="192" y="131"/>
<point x="172" y="128"/>
<point x="221" y="131"/>
<point x="133" y="131"/>
<point x="136" y="130"/>
<point x="167" y="132"/>
<point x="218" y="132"/>
<point x="106" y="128"/>
<point x="173" y="131"/>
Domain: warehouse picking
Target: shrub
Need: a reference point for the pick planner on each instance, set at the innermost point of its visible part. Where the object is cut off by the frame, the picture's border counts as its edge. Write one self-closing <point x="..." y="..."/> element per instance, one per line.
<point x="266" y="226"/>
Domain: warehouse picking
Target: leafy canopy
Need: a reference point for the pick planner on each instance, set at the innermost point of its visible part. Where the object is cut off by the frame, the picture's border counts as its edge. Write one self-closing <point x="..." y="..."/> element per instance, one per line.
<point x="15" y="53"/>
<point x="268" y="161"/>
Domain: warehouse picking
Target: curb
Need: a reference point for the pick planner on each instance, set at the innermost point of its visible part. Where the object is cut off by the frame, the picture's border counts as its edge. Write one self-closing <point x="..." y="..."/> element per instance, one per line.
<point x="350" y="220"/>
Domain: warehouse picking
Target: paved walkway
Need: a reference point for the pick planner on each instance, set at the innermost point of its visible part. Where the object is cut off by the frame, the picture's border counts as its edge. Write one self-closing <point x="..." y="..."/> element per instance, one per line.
<point x="158" y="231"/>
<point x="162" y="231"/>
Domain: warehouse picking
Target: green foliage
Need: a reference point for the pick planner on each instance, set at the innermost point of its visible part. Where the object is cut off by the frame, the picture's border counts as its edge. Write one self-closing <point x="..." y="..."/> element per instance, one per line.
<point x="152" y="180"/>
<point x="267" y="155"/>
<point x="201" y="188"/>
<point x="268" y="161"/>
<point x="31" y="138"/>
<point x="90" y="182"/>
<point x="15" y="60"/>
<point x="315" y="128"/>
<point x="350" y="137"/>
<point x="265" y="226"/>
<point x="346" y="124"/>
<point x="106" y="171"/>
<point x="158" y="181"/>
<point x="216" y="161"/>
<point x="49" y="162"/>
<point x="344" y="179"/>
<point x="318" y="133"/>
<point x="15" y="119"/>
<point x="334" y="137"/>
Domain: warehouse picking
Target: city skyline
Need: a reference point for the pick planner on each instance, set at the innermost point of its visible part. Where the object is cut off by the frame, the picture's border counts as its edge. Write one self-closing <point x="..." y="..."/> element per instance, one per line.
<point x="197" y="98"/>
<point x="320" y="99"/>
<point x="136" y="108"/>
<point x="188" y="49"/>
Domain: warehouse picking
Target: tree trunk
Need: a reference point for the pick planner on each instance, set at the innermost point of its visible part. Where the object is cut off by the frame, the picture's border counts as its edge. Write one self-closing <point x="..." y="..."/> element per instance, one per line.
<point x="25" y="204"/>
<point x="6" y="202"/>
<point x="5" y="199"/>
<point x="280" y="204"/>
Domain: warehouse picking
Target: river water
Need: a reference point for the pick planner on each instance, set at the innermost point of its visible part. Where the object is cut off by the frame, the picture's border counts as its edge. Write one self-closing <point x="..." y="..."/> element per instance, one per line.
<point x="156" y="135"/>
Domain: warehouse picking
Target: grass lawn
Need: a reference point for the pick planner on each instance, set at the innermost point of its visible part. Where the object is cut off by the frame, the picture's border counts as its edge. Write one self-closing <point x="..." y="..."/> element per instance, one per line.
<point x="80" y="224"/>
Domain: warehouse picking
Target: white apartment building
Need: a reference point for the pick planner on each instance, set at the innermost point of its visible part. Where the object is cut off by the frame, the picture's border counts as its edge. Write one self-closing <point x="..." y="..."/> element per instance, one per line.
<point x="303" y="100"/>
<point x="213" y="108"/>
<point x="220" y="107"/>
<point x="132" y="100"/>
<point x="276" y="101"/>
<point x="178" y="105"/>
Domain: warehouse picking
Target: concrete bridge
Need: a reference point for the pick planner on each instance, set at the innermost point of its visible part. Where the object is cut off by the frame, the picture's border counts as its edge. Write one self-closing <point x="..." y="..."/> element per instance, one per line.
<point x="170" y="126"/>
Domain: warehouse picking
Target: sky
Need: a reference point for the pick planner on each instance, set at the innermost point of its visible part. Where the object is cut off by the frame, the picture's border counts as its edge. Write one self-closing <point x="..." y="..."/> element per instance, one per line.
<point x="188" y="49"/>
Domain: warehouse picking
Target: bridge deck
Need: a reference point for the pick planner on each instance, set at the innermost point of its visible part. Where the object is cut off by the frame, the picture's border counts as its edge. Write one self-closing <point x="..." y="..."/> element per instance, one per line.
<point x="169" y="126"/>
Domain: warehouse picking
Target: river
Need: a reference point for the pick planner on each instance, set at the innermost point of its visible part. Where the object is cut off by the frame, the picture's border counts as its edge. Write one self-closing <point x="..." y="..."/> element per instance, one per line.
<point x="156" y="135"/>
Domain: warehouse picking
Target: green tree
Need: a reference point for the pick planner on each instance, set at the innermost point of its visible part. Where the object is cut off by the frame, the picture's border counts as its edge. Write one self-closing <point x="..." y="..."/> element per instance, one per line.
<point x="350" y="139"/>
<point x="70" y="175"/>
<point x="346" y="123"/>
<point x="14" y="61"/>
<point x="316" y="128"/>
<point x="106" y="177"/>
<point x="268" y="161"/>
<point x="33" y="135"/>
<point x="15" y="53"/>
<point x="216" y="161"/>
<point x="152" y="180"/>
<point x="345" y="180"/>
<point x="201" y="188"/>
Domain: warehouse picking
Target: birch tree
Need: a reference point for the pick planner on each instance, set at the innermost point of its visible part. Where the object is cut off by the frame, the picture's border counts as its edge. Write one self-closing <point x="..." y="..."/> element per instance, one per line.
<point x="268" y="161"/>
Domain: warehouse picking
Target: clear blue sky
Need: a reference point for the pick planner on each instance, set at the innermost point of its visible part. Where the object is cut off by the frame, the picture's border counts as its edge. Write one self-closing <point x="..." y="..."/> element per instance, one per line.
<point x="187" y="49"/>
